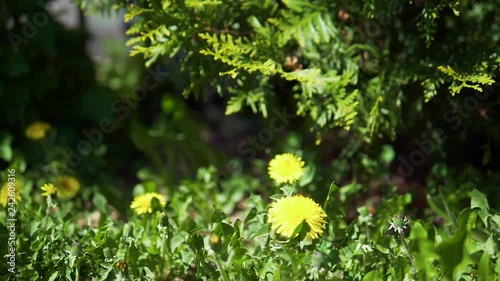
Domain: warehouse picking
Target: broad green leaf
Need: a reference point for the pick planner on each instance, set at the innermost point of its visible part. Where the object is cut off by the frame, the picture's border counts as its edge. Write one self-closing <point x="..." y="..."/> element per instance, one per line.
<point x="372" y="276"/>
<point x="490" y="246"/>
<point x="485" y="271"/>
<point x="478" y="200"/>
<point x="423" y="250"/>
<point x="100" y="202"/>
<point x="398" y="267"/>
<point x="176" y="241"/>
<point x="383" y="244"/>
<point x="453" y="254"/>
<point x="265" y="229"/>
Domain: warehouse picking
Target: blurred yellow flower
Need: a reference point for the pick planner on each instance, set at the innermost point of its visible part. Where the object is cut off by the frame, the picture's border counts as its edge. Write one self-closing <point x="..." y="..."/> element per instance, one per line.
<point x="68" y="187"/>
<point x="289" y="212"/>
<point x="48" y="189"/>
<point x="37" y="130"/>
<point x="5" y="193"/>
<point x="142" y="203"/>
<point x="122" y="266"/>
<point x="286" y="167"/>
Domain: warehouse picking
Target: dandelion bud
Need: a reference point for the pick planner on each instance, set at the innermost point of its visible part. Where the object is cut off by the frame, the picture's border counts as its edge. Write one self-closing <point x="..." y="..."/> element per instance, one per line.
<point x="214" y="242"/>
<point x="127" y="230"/>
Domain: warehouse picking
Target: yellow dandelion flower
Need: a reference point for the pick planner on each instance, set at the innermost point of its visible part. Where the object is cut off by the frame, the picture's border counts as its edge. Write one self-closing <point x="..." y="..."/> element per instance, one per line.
<point x="68" y="187"/>
<point x="37" y="130"/>
<point x="286" y="167"/>
<point x="289" y="212"/>
<point x="142" y="203"/>
<point x="7" y="190"/>
<point x="48" y="189"/>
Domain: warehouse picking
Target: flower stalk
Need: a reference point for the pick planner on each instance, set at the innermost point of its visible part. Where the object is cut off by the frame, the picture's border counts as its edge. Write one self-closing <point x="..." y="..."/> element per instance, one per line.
<point x="399" y="224"/>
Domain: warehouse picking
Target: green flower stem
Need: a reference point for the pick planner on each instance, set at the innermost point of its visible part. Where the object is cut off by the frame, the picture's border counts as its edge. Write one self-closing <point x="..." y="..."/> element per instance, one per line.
<point x="49" y="203"/>
<point x="221" y="269"/>
<point x="168" y="254"/>
<point x="77" y="274"/>
<point x="148" y="225"/>
<point x="162" y="264"/>
<point x="413" y="268"/>
<point x="165" y="243"/>
<point x="450" y="215"/>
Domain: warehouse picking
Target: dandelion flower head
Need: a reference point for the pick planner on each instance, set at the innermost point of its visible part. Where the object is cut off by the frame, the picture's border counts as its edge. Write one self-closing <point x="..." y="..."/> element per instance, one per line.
<point x="398" y="223"/>
<point x="286" y="168"/>
<point x="68" y="187"/>
<point x="5" y="192"/>
<point x="288" y="213"/>
<point x="37" y="130"/>
<point x="142" y="203"/>
<point x="48" y="189"/>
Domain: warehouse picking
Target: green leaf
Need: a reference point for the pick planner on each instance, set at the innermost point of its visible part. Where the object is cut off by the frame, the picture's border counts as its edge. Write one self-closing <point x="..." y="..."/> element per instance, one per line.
<point x="288" y="190"/>
<point x="302" y="229"/>
<point x="485" y="270"/>
<point x="277" y="275"/>
<point x="5" y="146"/>
<point x="437" y="207"/>
<point x="383" y="244"/>
<point x="490" y="246"/>
<point x="398" y="267"/>
<point x="251" y="214"/>
<point x="149" y="274"/>
<point x="100" y="202"/>
<point x="176" y="241"/>
<point x="331" y="192"/>
<point x="189" y="226"/>
<point x="217" y="216"/>
<point x="33" y="227"/>
<point x="478" y="200"/>
<point x="497" y="268"/>
<point x="227" y="229"/>
<point x="387" y="155"/>
<point x="372" y="276"/>
<point x="53" y="276"/>
<point x="423" y="250"/>
<point x="453" y="253"/>
<point x="308" y="177"/>
<point x="265" y="229"/>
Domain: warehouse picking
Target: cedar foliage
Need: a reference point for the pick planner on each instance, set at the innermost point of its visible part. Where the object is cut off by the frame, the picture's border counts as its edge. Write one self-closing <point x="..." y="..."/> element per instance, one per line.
<point x="349" y="62"/>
